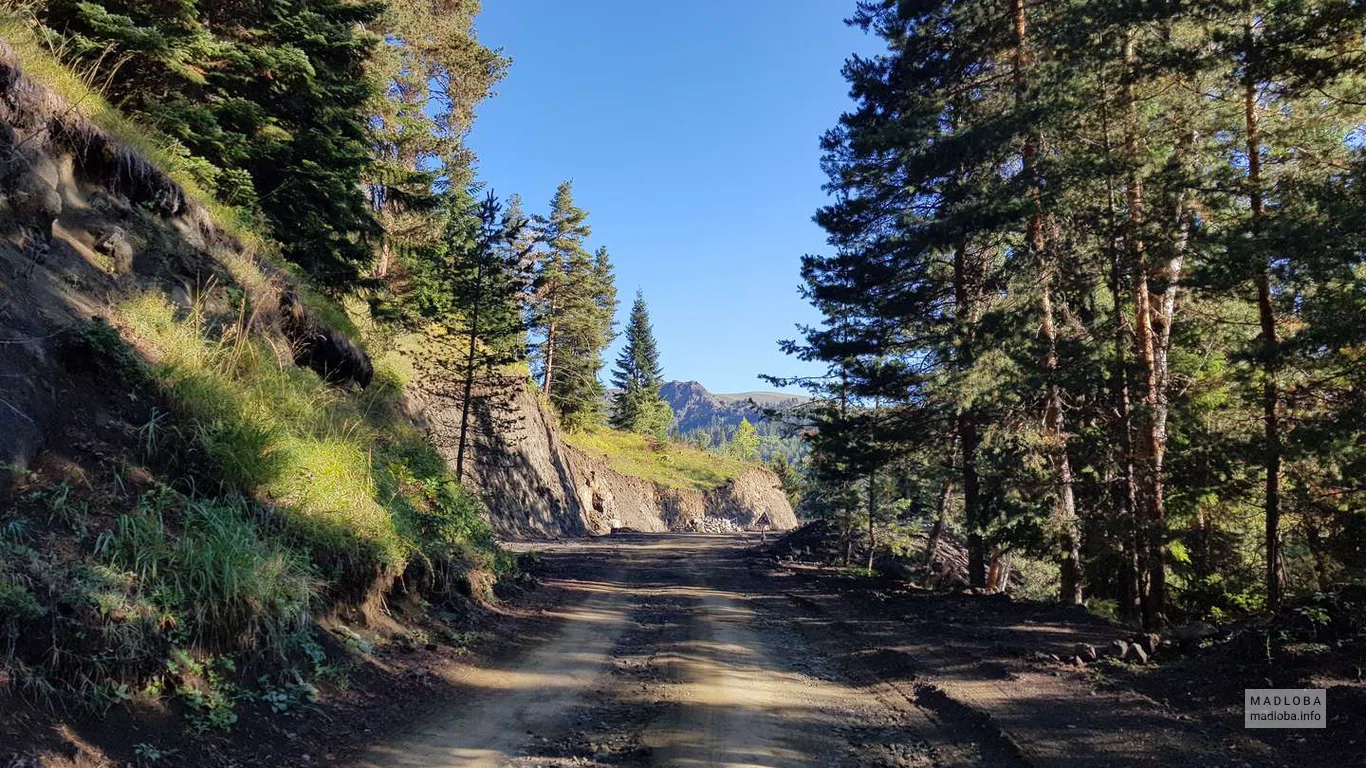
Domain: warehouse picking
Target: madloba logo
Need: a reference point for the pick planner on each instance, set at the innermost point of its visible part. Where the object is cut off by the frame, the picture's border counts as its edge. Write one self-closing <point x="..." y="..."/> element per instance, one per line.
<point x="1292" y="701"/>
<point x="1285" y="708"/>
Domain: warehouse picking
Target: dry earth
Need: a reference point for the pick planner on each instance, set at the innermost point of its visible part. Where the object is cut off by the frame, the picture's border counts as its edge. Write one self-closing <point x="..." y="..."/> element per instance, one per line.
<point x="705" y="650"/>
<point x="691" y="650"/>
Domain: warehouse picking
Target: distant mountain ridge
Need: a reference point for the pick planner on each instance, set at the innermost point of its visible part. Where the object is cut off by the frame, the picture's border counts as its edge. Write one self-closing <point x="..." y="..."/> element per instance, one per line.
<point x="696" y="409"/>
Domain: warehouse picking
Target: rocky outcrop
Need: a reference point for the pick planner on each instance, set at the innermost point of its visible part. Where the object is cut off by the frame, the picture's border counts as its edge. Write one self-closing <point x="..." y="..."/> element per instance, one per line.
<point x="326" y="350"/>
<point x="535" y="484"/>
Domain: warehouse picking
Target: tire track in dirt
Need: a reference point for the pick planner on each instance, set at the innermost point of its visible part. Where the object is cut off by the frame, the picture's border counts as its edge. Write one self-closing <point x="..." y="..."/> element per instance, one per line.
<point x="508" y="710"/>
<point x="683" y="651"/>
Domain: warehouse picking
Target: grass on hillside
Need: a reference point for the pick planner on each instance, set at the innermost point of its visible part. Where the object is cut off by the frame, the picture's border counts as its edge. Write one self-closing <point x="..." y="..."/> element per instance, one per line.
<point x="668" y="463"/>
<point x="348" y="474"/>
<point x="275" y="495"/>
<point x="38" y="51"/>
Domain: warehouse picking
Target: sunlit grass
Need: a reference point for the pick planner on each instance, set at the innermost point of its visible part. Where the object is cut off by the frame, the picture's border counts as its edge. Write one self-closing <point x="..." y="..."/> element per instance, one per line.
<point x="37" y="50"/>
<point x="331" y="462"/>
<point x="668" y="463"/>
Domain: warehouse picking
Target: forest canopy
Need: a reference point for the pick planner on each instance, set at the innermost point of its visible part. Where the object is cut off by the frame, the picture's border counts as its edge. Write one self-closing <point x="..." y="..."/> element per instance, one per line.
<point x="1095" y="289"/>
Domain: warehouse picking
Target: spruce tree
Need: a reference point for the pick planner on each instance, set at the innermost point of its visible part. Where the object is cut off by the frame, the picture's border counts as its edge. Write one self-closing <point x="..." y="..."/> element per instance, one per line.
<point x="637" y="406"/>
<point x="268" y="101"/>
<point x="486" y="276"/>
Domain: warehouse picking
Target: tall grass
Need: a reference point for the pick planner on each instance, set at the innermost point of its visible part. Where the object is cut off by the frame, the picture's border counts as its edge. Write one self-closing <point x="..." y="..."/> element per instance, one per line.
<point x="349" y="476"/>
<point x="233" y="587"/>
<point x="668" y="463"/>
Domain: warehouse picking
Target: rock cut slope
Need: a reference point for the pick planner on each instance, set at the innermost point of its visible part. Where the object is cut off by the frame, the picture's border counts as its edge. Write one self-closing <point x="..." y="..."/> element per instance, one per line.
<point x="536" y="484"/>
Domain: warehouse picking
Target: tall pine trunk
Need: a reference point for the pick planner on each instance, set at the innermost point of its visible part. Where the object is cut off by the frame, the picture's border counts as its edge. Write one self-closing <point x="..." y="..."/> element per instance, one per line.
<point x="549" y="349"/>
<point x="1065" y="505"/>
<point x="941" y="517"/>
<point x="1272" y="449"/>
<point x="1122" y="489"/>
<point x="1147" y="450"/>
<point x="968" y="438"/>
<point x="469" y="376"/>
<point x="872" y="517"/>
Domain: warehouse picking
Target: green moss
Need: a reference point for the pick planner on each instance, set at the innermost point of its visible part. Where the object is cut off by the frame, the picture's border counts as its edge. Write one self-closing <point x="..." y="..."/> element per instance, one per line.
<point x="670" y="464"/>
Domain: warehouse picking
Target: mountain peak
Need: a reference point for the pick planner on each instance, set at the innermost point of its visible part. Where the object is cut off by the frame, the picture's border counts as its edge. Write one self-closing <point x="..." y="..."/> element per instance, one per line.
<point x="695" y="407"/>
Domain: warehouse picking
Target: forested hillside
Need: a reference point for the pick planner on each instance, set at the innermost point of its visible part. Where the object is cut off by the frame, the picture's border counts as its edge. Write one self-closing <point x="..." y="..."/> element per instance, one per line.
<point x="293" y="392"/>
<point x="1094" y="295"/>
<point x="233" y="238"/>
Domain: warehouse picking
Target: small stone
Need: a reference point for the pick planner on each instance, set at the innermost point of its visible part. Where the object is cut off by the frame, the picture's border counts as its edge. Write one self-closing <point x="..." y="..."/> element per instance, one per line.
<point x="1077" y="661"/>
<point x="1137" y="654"/>
<point x="1150" y="642"/>
<point x="1086" y="652"/>
<point x="1119" y="649"/>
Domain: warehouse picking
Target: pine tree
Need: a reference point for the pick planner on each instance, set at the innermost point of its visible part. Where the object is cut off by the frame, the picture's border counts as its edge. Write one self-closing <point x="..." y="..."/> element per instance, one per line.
<point x="486" y="276"/>
<point x="268" y="100"/>
<point x="429" y="73"/>
<point x="637" y="406"/>
<point x="1082" y="257"/>
<point x="562" y="234"/>
<point x="571" y="312"/>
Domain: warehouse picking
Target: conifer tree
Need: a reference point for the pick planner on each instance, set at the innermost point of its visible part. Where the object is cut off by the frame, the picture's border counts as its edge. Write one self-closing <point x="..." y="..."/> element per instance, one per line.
<point x="268" y="101"/>
<point x="486" y="276"/>
<point x="1088" y="248"/>
<point x="572" y="311"/>
<point x="637" y="406"/>
<point x="429" y="73"/>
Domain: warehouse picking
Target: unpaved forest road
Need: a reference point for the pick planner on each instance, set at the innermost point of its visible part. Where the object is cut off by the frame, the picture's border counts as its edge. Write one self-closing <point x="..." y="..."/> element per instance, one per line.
<point x="684" y="650"/>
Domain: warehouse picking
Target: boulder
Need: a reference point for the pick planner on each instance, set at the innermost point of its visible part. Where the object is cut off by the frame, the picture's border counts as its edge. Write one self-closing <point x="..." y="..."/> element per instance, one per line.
<point x="113" y="242"/>
<point x="1135" y="654"/>
<point x="1118" y="649"/>
<point x="1086" y="652"/>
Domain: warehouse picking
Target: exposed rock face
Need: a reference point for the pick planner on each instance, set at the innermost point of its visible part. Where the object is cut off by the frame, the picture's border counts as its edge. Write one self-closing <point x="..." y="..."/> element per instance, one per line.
<point x="327" y="351"/>
<point x="696" y="408"/>
<point x="535" y="484"/>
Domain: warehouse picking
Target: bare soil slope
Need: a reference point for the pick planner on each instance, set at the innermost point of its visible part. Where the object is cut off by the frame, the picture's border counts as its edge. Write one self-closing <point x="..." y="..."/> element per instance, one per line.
<point x="538" y="485"/>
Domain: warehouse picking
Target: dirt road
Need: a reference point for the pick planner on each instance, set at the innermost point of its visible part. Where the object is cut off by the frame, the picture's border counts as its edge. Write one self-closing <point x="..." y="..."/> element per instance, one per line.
<point x="682" y="650"/>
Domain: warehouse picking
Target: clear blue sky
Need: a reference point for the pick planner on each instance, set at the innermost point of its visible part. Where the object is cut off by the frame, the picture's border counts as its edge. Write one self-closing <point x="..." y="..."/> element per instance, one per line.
<point x="691" y="132"/>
